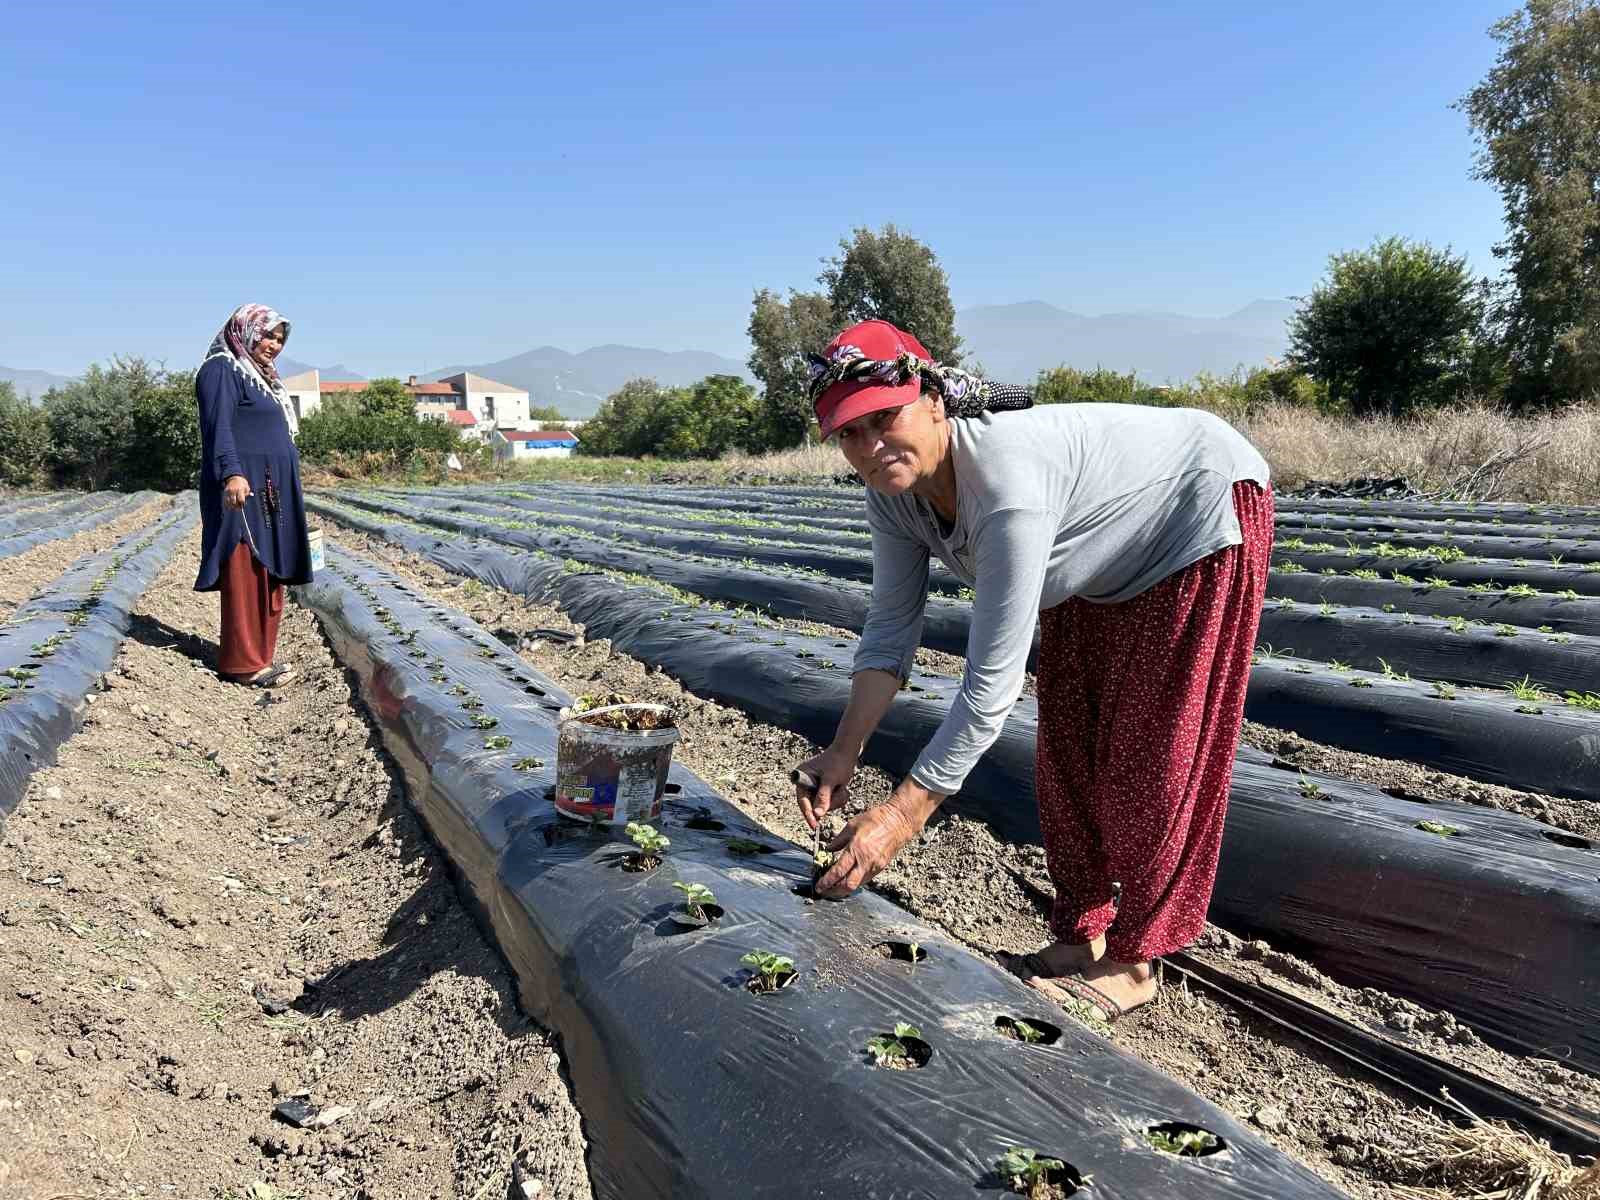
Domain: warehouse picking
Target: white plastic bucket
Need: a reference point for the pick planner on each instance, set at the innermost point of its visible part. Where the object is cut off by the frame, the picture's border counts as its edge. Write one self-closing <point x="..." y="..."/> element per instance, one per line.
<point x="612" y="776"/>
<point x="314" y="544"/>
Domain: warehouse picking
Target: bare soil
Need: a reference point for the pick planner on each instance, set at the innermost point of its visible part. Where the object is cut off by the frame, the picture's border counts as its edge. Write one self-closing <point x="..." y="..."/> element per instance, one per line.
<point x="219" y="900"/>
<point x="995" y="896"/>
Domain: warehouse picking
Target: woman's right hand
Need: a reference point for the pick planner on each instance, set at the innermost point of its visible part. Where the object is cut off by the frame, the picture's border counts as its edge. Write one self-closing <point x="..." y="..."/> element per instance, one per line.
<point x="832" y="769"/>
<point x="235" y="491"/>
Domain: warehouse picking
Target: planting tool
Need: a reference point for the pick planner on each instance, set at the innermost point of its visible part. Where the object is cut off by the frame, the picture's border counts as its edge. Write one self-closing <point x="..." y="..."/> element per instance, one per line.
<point x="809" y="783"/>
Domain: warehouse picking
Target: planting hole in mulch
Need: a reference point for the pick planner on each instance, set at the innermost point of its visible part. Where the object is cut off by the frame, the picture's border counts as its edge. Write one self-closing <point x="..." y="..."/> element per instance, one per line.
<point x="1570" y="840"/>
<point x="744" y="847"/>
<point x="1183" y="1140"/>
<point x="706" y="823"/>
<point x="713" y="914"/>
<point x="1059" y="1182"/>
<point x="916" y="1056"/>
<point x="639" y="861"/>
<point x="672" y="789"/>
<point x="757" y="986"/>
<point x="901" y="951"/>
<point x="1030" y="1030"/>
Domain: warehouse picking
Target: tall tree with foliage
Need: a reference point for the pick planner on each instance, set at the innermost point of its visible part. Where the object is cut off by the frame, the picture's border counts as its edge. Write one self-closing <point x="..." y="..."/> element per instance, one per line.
<point x="782" y="332"/>
<point x="24" y="440"/>
<point x="1537" y="119"/>
<point x="885" y="275"/>
<point x="891" y="276"/>
<point x="1390" y="328"/>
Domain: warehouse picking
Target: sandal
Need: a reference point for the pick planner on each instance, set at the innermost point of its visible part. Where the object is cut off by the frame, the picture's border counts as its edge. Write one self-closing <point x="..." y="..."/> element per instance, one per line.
<point x="1079" y="993"/>
<point x="271" y="677"/>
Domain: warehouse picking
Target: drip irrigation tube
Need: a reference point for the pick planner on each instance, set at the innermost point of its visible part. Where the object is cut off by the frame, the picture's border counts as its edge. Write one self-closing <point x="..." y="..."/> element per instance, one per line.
<point x="55" y="646"/>
<point x="690" y="1086"/>
<point x="1493" y="922"/>
<point x="81" y="522"/>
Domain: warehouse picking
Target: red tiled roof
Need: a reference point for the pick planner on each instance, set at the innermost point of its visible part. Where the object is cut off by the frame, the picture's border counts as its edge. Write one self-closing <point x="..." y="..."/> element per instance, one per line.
<point x="538" y="435"/>
<point x="460" y="416"/>
<point x="361" y="385"/>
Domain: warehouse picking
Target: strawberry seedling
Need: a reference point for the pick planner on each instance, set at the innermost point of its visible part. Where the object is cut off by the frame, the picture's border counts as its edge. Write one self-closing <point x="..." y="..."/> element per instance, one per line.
<point x="1309" y="788"/>
<point x="1438" y="829"/>
<point x="527" y="764"/>
<point x="483" y="722"/>
<point x="1185" y="1143"/>
<point x="696" y="897"/>
<point x="769" y="972"/>
<point x="896" y="1051"/>
<point x="651" y="846"/>
<point x="1027" y="1033"/>
<point x="745" y="847"/>
<point x="499" y="742"/>
<point x="1028" y="1174"/>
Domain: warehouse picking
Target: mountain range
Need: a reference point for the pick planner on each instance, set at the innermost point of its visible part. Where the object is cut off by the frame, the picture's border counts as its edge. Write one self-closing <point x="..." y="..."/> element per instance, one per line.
<point x="31" y="383"/>
<point x="1010" y="342"/>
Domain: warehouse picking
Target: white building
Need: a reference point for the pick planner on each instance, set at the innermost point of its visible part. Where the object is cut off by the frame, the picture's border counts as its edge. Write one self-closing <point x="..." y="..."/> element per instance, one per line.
<point x="520" y="445"/>
<point x="305" y="392"/>
<point x="493" y="405"/>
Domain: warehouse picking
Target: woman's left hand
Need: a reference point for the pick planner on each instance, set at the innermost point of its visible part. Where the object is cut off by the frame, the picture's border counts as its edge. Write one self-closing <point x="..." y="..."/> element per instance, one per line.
<point x="871" y="839"/>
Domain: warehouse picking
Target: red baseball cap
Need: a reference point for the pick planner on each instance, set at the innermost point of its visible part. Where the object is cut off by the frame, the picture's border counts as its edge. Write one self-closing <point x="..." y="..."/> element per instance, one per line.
<point x="844" y="402"/>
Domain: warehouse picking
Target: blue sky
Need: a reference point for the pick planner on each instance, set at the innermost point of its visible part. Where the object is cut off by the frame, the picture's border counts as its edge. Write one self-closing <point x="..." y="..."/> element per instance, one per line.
<point x="422" y="184"/>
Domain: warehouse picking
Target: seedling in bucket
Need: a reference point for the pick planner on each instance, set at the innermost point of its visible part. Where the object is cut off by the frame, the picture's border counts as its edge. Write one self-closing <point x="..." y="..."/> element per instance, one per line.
<point x="612" y="762"/>
<point x="651" y="847"/>
<point x="769" y="972"/>
<point x="699" y="905"/>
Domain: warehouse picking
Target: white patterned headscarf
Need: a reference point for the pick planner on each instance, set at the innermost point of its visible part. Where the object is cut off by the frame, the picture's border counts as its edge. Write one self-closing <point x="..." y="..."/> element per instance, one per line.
<point x="238" y="336"/>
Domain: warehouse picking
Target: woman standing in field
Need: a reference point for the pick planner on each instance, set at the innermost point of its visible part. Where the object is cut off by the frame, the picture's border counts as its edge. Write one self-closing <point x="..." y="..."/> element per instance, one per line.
<point x="252" y="515"/>
<point x="1138" y="540"/>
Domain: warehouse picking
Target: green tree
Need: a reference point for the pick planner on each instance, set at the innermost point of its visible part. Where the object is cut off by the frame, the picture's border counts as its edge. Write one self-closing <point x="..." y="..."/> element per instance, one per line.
<point x="24" y="440"/>
<point x="387" y="400"/>
<point x="622" y="424"/>
<point x="891" y="276"/>
<point x="91" y="421"/>
<point x="163" y="449"/>
<point x="1390" y="328"/>
<point x="545" y="414"/>
<point x="1068" y="385"/>
<point x="781" y="334"/>
<point x="1536" y="116"/>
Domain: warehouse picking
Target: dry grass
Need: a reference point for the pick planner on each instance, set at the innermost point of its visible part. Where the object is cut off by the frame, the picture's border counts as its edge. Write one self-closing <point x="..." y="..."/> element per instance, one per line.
<point x="1486" y="1161"/>
<point x="1550" y="457"/>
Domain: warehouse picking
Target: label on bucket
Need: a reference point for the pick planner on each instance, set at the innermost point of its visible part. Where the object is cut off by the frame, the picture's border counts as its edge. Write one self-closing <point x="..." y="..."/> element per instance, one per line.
<point x="636" y="793"/>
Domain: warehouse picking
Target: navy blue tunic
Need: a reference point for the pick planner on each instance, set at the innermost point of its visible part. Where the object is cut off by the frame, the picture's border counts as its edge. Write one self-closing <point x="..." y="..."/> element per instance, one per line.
<point x="243" y="432"/>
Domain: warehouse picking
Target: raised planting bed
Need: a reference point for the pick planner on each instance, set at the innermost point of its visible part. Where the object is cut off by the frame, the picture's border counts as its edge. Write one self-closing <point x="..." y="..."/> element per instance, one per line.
<point x="1532" y="741"/>
<point x="1392" y="719"/>
<point x="504" y="525"/>
<point x="1494" y="923"/>
<point x="54" y="647"/>
<point x="694" y="1079"/>
<point x="1486" y="510"/>
<point x="1491" y="603"/>
<point x="1445" y="648"/>
<point x="649" y="502"/>
<point x="1443" y="526"/>
<point x="1541" y="575"/>
<point x="38" y="526"/>
<point x="1448" y="545"/>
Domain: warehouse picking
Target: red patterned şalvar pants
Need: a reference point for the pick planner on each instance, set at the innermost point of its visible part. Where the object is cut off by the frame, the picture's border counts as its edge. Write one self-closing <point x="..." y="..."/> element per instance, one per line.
<point x="1140" y="705"/>
<point x="252" y="606"/>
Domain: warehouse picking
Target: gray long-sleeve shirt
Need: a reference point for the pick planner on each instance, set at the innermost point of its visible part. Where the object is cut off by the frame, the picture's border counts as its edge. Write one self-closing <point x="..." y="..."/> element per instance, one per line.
<point x="1101" y="501"/>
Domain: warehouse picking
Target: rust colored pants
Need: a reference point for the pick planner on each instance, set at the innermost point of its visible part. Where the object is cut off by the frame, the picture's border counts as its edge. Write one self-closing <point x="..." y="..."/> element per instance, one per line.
<point x="252" y="606"/>
<point x="1140" y="706"/>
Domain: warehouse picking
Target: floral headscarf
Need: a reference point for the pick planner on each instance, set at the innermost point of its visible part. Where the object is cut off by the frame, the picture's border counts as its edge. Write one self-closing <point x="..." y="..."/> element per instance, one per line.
<point x="965" y="394"/>
<point x="238" y="336"/>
